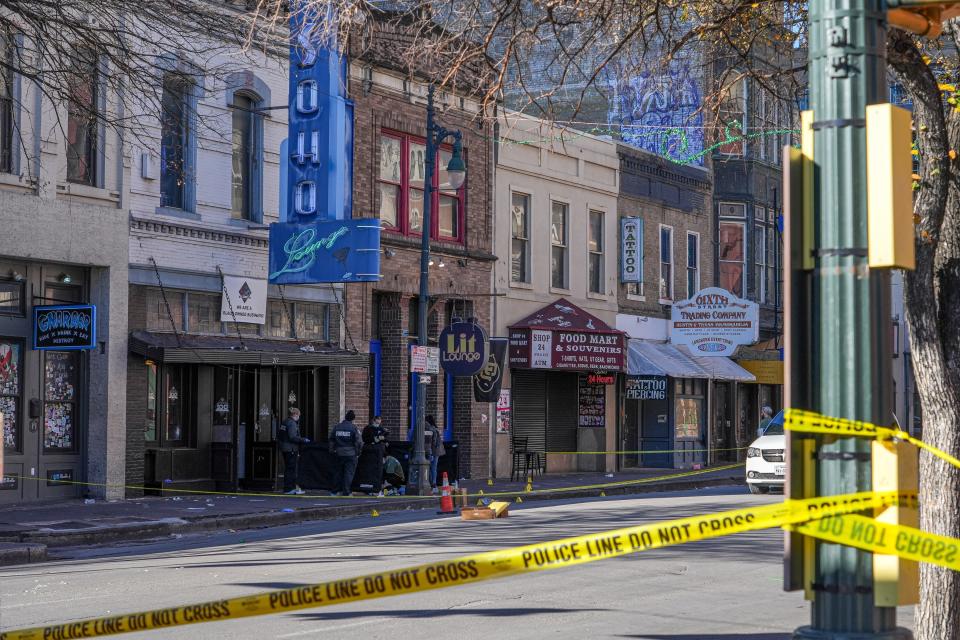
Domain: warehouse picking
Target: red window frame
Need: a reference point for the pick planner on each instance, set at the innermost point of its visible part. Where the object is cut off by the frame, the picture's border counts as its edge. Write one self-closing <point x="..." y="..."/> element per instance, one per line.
<point x="403" y="200"/>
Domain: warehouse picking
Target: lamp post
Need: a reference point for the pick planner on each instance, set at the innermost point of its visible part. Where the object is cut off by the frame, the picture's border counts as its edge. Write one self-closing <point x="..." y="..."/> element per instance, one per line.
<point x="419" y="481"/>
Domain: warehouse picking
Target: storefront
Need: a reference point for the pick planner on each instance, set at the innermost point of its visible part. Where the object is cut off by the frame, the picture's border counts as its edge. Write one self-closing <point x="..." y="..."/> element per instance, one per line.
<point x="564" y="367"/>
<point x="47" y="332"/>
<point x="667" y="395"/>
<point x="213" y="405"/>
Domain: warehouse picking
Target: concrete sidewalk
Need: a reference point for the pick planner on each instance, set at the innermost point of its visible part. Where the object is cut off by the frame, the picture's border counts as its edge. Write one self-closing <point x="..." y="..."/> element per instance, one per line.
<point x="27" y="531"/>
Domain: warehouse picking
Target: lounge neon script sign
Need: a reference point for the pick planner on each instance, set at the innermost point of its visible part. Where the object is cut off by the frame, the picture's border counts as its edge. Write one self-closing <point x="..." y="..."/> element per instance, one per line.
<point x="301" y="250"/>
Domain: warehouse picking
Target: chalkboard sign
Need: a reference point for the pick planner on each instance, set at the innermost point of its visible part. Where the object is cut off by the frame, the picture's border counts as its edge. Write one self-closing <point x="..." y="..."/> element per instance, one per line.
<point x="64" y="327"/>
<point x="592" y="411"/>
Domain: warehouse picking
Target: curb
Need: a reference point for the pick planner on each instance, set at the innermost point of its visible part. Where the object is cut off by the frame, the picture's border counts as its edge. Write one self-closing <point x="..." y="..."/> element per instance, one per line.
<point x="37" y="542"/>
<point x="21" y="553"/>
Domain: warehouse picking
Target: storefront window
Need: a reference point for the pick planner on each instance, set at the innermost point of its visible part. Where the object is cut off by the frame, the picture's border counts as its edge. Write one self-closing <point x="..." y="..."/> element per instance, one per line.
<point x="60" y="374"/>
<point x="688" y="406"/>
<point x="11" y="298"/>
<point x="10" y="392"/>
<point x="246" y="328"/>
<point x="278" y="319"/>
<point x="150" y="425"/>
<point x="174" y="396"/>
<point x="311" y="321"/>
<point x="223" y="404"/>
<point x="203" y="313"/>
<point x="164" y="315"/>
<point x="688" y="418"/>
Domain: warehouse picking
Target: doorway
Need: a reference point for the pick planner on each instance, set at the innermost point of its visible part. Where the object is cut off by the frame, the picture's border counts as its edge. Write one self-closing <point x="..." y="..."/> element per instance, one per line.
<point x="266" y="394"/>
<point x="647" y="429"/>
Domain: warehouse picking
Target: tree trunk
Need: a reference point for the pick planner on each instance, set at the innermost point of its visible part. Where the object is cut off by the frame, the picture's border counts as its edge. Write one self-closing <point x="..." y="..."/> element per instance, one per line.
<point x="932" y="307"/>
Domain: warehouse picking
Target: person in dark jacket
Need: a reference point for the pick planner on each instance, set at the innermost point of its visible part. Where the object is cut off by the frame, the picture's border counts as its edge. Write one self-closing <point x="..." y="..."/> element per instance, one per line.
<point x="290" y="440"/>
<point x="433" y="447"/>
<point x="375" y="436"/>
<point x="347" y="443"/>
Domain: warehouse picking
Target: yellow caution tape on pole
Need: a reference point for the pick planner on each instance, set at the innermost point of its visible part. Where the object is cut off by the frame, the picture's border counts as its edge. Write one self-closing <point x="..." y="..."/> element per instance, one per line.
<point x="812" y="422"/>
<point x="891" y="539"/>
<point x="474" y="568"/>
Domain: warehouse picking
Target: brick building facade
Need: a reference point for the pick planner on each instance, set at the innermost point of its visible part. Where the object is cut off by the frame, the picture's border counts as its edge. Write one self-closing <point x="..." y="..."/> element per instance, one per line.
<point x="381" y="317"/>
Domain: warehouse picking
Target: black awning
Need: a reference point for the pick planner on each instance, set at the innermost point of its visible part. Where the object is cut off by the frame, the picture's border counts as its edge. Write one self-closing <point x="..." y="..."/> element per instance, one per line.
<point x="198" y="349"/>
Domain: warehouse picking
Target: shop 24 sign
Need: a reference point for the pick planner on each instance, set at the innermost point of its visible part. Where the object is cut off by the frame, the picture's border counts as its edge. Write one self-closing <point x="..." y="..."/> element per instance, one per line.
<point x="64" y="327"/>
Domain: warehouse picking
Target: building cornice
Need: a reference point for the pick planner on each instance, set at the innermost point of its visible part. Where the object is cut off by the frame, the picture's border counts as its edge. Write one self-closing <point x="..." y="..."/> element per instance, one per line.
<point x="206" y="234"/>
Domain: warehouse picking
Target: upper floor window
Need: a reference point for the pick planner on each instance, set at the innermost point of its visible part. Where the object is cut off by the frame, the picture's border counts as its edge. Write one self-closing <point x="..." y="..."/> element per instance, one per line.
<point x="693" y="263"/>
<point x="520" y="238"/>
<point x="246" y="175"/>
<point x="82" y="119"/>
<point x="666" y="262"/>
<point x="595" y="252"/>
<point x="174" y="138"/>
<point x="401" y="182"/>
<point x="559" y="214"/>
<point x="731" y="254"/>
<point x="729" y="130"/>
<point x="7" y="106"/>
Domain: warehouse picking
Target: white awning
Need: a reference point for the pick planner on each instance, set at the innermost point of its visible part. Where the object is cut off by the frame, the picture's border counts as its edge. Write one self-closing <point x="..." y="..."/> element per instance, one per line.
<point x="721" y="367"/>
<point x="647" y="358"/>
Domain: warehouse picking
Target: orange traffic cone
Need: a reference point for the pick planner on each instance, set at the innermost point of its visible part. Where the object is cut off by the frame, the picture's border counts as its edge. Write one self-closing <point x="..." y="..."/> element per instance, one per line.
<point x="446" y="500"/>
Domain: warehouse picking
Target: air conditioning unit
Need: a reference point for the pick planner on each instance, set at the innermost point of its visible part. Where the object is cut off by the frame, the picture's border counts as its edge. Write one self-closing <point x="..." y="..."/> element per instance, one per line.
<point x="148" y="166"/>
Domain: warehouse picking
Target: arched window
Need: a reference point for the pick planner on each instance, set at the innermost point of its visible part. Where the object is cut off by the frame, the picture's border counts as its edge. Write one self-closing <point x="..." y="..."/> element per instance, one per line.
<point x="247" y="150"/>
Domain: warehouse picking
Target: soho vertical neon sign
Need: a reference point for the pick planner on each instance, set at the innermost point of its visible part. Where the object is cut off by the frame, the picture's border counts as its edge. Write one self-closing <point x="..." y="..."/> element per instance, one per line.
<point x="320" y="129"/>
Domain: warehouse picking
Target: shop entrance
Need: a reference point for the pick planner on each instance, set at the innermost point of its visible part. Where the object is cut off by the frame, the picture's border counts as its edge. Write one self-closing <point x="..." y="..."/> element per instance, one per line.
<point x="264" y="396"/>
<point x="724" y="418"/>
<point x="43" y="394"/>
<point x="647" y="428"/>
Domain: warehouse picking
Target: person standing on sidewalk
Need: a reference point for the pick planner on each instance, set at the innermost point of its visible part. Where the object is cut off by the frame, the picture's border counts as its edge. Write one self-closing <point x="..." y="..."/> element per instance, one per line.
<point x="766" y="415"/>
<point x="347" y="443"/>
<point x="290" y="440"/>
<point x="433" y="445"/>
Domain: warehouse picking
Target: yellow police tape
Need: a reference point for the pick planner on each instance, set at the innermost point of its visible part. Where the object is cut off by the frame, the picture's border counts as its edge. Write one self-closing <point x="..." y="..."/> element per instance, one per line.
<point x="812" y="422"/>
<point x="241" y="494"/>
<point x="473" y="568"/>
<point x="879" y="537"/>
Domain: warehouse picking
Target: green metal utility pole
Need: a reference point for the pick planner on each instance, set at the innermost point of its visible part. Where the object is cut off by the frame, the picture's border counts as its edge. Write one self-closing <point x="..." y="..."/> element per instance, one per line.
<point x="851" y="367"/>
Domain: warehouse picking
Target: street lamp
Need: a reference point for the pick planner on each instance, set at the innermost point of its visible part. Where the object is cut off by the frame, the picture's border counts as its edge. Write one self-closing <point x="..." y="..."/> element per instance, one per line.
<point x="419" y="480"/>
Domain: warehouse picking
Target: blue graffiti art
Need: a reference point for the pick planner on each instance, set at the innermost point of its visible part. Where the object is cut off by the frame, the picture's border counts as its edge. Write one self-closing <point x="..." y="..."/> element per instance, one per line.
<point x="659" y="111"/>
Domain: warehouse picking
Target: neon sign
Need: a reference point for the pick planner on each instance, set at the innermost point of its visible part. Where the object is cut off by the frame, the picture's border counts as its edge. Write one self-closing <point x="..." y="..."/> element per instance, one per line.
<point x="325" y="251"/>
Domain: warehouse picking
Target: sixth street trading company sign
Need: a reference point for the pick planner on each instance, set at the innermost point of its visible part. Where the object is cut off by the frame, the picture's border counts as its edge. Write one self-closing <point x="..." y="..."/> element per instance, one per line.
<point x="714" y="322"/>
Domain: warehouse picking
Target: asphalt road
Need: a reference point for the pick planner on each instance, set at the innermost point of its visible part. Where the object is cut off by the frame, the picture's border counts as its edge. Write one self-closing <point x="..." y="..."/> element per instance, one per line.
<point x="715" y="589"/>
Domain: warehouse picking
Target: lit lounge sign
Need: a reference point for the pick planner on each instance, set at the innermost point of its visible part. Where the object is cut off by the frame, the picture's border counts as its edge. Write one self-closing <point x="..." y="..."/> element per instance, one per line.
<point x="64" y="327"/>
<point x="463" y="349"/>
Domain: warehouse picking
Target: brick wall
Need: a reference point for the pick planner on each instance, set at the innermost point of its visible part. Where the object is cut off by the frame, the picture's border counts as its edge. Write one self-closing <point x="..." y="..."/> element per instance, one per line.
<point x="136" y="396"/>
<point x="467" y="272"/>
<point x="660" y="194"/>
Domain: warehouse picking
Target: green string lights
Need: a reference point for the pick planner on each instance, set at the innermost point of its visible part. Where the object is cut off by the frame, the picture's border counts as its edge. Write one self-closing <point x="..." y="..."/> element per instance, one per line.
<point x="675" y="141"/>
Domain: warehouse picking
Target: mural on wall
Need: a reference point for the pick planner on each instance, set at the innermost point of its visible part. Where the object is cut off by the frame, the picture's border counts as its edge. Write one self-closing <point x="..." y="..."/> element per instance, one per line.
<point x="659" y="110"/>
